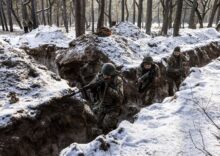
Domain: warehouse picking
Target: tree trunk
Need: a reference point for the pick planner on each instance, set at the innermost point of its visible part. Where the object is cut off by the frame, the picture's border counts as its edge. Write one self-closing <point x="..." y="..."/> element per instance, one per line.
<point x="122" y="10"/>
<point x="158" y="15"/>
<point x="218" y="16"/>
<point x="165" y="17"/>
<point x="58" y="14"/>
<point x="140" y="12"/>
<point x="65" y="19"/>
<point x="214" y="9"/>
<point x="93" y="17"/>
<point x="16" y="17"/>
<point x="33" y="14"/>
<point x="127" y="11"/>
<point x="79" y="17"/>
<point x="9" y="6"/>
<point x="43" y="12"/>
<point x="134" y="11"/>
<point x="184" y="17"/>
<point x="177" y="21"/>
<point x="192" y="23"/>
<point x="110" y="13"/>
<point x="170" y="18"/>
<point x="1" y="19"/>
<point x="3" y="15"/>
<point x="101" y="14"/>
<point x="149" y="16"/>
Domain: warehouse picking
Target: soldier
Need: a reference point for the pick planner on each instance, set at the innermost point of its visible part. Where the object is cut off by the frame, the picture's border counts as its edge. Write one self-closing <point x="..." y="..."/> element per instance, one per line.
<point x="109" y="97"/>
<point x="148" y="75"/>
<point x="177" y="69"/>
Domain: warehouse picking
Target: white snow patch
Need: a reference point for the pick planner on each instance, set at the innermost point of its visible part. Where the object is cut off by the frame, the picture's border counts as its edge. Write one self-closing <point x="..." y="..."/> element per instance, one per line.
<point x="33" y="84"/>
<point x="41" y="35"/>
<point x="164" y="129"/>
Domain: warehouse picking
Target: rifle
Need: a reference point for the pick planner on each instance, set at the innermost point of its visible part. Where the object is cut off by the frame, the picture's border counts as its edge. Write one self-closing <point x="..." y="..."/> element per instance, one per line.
<point x="146" y="80"/>
<point x="89" y="86"/>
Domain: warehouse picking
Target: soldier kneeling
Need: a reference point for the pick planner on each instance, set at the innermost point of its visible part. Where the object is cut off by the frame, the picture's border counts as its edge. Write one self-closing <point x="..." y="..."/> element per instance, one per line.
<point x="109" y="97"/>
<point x="148" y="75"/>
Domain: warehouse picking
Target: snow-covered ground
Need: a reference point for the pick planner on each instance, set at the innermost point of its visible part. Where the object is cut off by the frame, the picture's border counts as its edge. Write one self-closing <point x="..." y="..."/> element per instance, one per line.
<point x="32" y="84"/>
<point x="41" y="35"/>
<point x="173" y="127"/>
<point x="127" y="48"/>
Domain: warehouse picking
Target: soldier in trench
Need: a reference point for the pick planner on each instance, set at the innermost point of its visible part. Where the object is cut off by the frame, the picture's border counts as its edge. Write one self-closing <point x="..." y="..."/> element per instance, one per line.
<point x="177" y="70"/>
<point x="148" y="75"/>
<point x="109" y="97"/>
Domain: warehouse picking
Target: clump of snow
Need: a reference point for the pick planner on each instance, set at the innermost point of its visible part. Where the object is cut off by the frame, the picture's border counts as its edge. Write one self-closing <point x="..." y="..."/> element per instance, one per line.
<point x="31" y="83"/>
<point x="168" y="128"/>
<point x="127" y="29"/>
<point x="41" y="35"/>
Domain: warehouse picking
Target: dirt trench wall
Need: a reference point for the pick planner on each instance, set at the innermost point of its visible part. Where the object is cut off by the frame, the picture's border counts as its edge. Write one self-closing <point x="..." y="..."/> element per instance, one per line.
<point x="44" y="54"/>
<point x="58" y="124"/>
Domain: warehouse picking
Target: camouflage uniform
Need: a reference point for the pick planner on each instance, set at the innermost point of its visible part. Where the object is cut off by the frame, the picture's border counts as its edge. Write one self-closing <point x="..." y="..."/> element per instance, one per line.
<point x="148" y="93"/>
<point x="109" y="99"/>
<point x="177" y="70"/>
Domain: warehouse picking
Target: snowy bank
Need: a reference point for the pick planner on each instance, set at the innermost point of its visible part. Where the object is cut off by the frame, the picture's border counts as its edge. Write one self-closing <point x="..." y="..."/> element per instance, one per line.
<point x="40" y="36"/>
<point x="168" y="128"/>
<point x="123" y="50"/>
<point x="24" y="85"/>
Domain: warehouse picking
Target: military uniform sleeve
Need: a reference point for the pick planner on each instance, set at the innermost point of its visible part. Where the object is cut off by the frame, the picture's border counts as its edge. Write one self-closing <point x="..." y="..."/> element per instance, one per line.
<point x="171" y="67"/>
<point x="139" y="72"/>
<point x="117" y="91"/>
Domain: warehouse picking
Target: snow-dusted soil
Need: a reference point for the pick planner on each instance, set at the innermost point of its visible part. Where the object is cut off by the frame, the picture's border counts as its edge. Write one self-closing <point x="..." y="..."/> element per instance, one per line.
<point x="32" y="84"/>
<point x="169" y="128"/>
<point x="127" y="48"/>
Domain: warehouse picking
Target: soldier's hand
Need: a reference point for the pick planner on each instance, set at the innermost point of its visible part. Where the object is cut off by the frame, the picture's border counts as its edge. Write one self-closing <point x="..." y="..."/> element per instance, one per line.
<point x="140" y="80"/>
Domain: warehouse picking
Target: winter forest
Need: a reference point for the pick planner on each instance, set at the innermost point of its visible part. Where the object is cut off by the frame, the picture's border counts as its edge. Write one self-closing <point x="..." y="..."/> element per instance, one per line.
<point x="109" y="77"/>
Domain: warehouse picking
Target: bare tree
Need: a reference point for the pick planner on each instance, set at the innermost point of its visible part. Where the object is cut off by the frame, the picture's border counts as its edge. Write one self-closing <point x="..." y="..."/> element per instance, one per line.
<point x="213" y="12"/>
<point x="140" y="12"/>
<point x="201" y="9"/>
<point x="218" y="15"/>
<point x="177" y="21"/>
<point x="65" y="19"/>
<point x="43" y="12"/>
<point x="93" y="16"/>
<point x="122" y="10"/>
<point x="149" y="16"/>
<point x="79" y="17"/>
<point x="101" y="14"/>
<point x="9" y="8"/>
<point x="165" y="5"/>
<point x="3" y="15"/>
<point x="127" y="11"/>
<point x="134" y="11"/>
<point x="192" y="23"/>
<point x="33" y="14"/>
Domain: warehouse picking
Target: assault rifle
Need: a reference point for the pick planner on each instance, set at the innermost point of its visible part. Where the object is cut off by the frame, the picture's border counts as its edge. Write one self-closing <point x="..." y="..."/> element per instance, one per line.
<point x="86" y="87"/>
<point x="146" y="80"/>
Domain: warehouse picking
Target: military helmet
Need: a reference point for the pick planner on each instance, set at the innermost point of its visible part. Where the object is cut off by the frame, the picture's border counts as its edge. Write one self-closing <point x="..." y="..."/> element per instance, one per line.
<point x="148" y="60"/>
<point x="177" y="49"/>
<point x="108" y="69"/>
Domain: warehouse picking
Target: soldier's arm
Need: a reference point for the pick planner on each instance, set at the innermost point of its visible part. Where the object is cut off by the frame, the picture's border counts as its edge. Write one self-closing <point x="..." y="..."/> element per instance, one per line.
<point x="139" y="72"/>
<point x="170" y="66"/>
<point x="117" y="91"/>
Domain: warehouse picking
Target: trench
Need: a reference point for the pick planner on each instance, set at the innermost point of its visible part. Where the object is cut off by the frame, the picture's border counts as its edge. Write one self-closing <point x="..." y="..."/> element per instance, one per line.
<point x="67" y="120"/>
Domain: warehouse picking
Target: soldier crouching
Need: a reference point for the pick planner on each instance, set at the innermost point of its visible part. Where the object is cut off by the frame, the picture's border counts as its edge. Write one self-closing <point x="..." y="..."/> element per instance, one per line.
<point x="148" y="75"/>
<point x="109" y="97"/>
